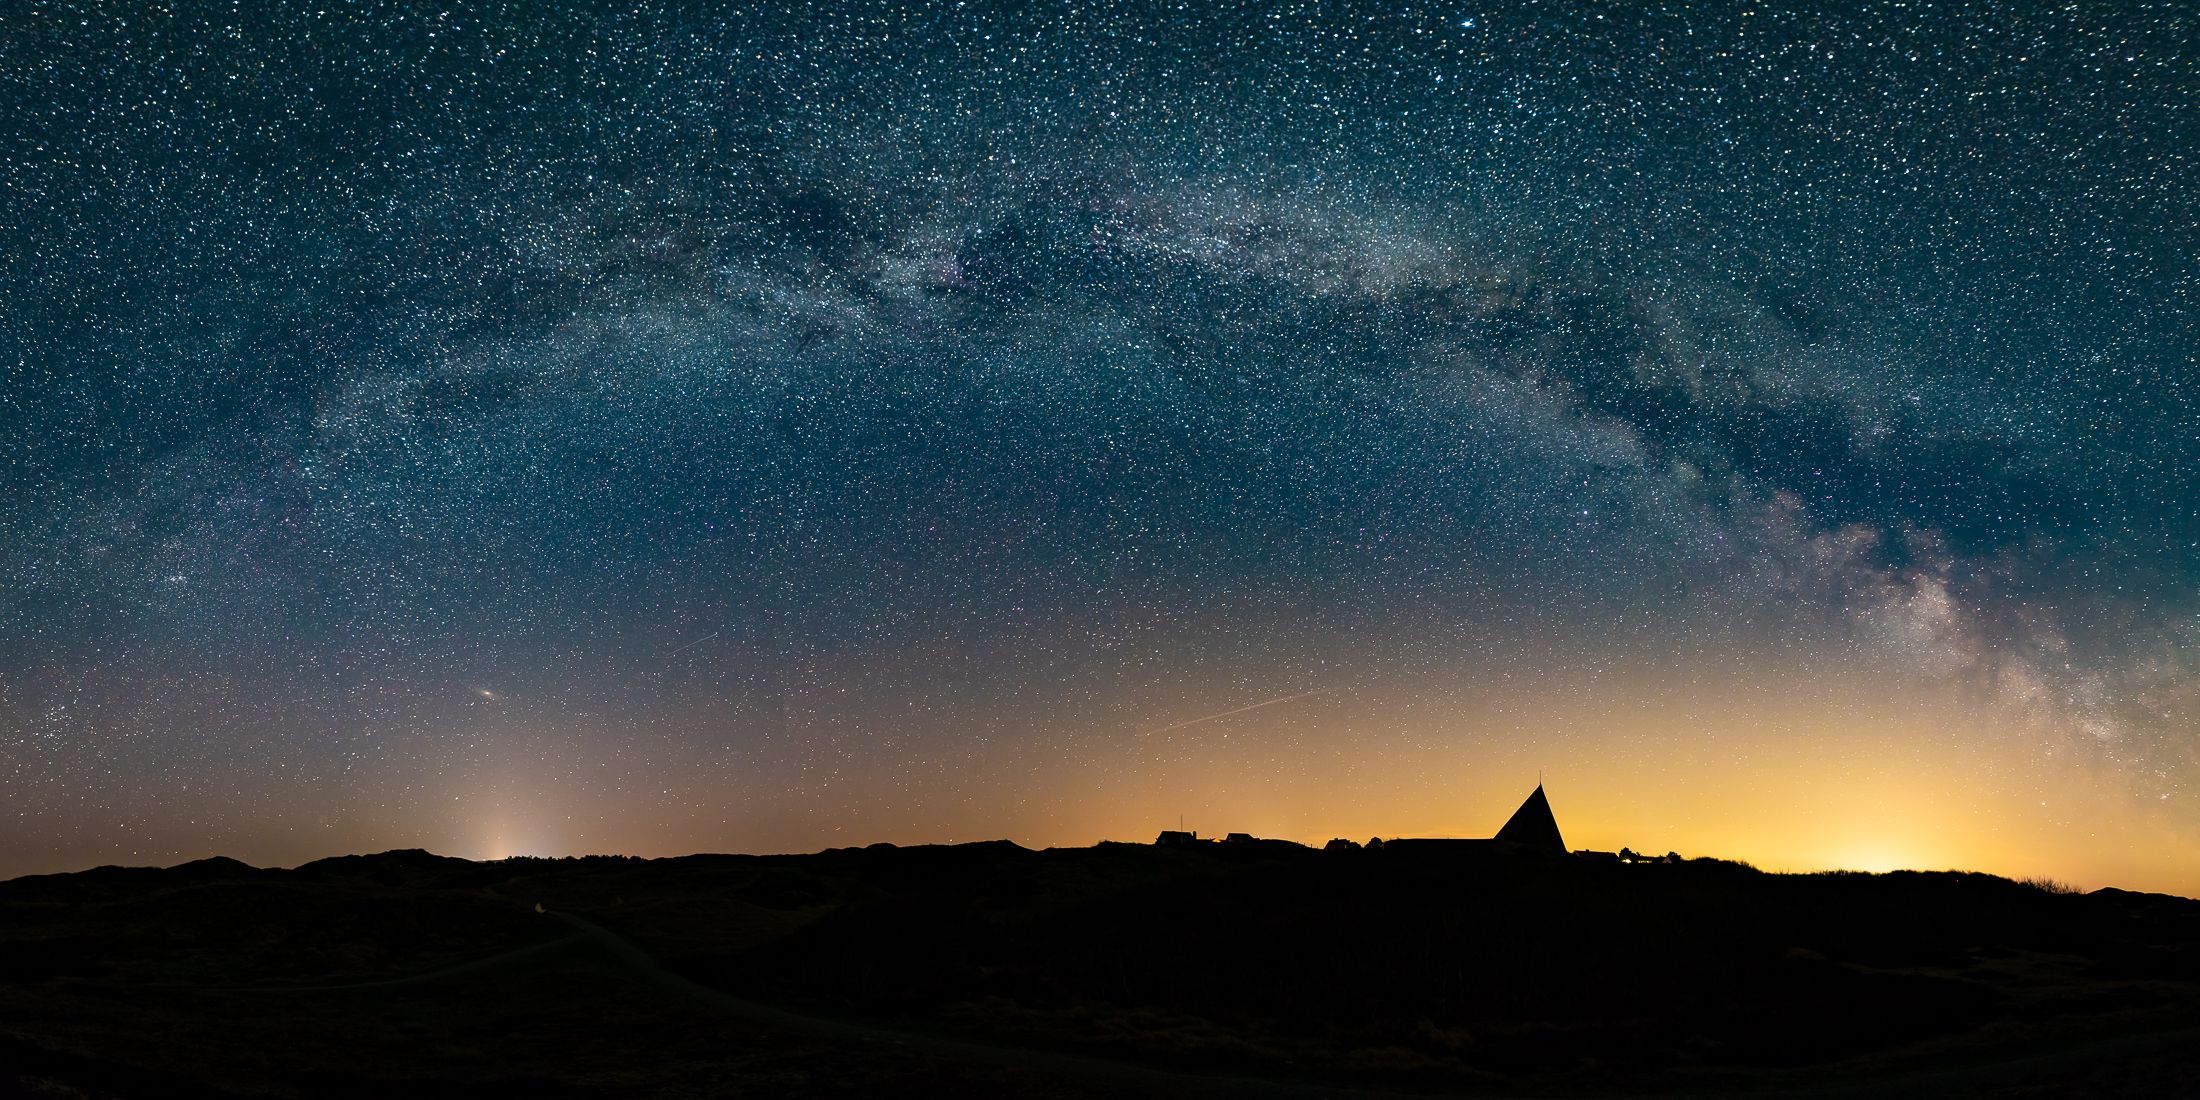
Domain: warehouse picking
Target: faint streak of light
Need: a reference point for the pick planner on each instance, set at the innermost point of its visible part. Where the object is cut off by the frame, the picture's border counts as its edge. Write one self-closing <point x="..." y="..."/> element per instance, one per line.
<point x="693" y="644"/>
<point x="1240" y="710"/>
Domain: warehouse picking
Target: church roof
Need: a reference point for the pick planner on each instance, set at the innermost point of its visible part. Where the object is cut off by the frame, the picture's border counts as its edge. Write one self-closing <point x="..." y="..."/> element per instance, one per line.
<point x="1532" y="825"/>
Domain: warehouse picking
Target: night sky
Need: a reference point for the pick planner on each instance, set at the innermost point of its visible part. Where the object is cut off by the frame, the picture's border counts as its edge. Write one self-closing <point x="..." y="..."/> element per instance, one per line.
<point x="499" y="429"/>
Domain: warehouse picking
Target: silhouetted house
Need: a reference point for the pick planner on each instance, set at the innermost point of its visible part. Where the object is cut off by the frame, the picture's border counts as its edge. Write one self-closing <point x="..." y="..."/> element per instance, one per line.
<point x="1176" y="836"/>
<point x="1238" y="843"/>
<point x="1532" y="826"/>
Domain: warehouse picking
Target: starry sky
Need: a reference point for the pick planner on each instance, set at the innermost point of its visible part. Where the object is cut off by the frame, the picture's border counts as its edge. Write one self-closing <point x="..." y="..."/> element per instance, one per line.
<point x="523" y="428"/>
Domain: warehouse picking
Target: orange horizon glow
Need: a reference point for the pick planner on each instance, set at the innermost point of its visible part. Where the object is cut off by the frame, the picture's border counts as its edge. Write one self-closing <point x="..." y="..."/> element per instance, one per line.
<point x="1902" y="836"/>
<point x="1789" y="775"/>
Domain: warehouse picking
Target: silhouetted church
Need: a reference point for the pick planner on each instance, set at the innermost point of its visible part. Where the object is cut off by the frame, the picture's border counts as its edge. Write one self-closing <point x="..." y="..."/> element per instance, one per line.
<point x="1531" y="829"/>
<point x="1532" y="832"/>
<point x="1533" y="826"/>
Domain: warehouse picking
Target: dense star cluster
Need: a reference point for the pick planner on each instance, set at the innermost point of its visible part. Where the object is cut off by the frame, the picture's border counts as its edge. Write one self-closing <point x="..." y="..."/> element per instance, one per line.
<point x="518" y="427"/>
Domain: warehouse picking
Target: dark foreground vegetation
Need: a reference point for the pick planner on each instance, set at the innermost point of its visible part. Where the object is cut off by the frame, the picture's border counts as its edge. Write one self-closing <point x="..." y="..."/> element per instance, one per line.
<point x="1119" y="970"/>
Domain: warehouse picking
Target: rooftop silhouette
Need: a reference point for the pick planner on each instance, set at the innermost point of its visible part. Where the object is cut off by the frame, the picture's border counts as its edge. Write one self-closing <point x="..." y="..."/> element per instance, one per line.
<point x="1533" y="826"/>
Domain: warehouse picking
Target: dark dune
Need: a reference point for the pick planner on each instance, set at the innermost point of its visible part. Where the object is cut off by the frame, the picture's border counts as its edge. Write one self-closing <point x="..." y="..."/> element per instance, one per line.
<point x="990" y="969"/>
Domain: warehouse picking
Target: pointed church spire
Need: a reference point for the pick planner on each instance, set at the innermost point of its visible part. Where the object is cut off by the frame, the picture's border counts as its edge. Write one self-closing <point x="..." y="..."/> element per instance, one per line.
<point x="1533" y="826"/>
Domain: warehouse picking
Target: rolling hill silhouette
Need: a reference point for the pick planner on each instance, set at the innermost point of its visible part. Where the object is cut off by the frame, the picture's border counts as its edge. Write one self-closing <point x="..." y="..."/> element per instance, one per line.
<point x="990" y="969"/>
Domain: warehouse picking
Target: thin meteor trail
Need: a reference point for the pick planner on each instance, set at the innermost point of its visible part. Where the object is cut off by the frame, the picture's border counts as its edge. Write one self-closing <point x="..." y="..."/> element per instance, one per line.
<point x="692" y="645"/>
<point x="1239" y="710"/>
